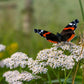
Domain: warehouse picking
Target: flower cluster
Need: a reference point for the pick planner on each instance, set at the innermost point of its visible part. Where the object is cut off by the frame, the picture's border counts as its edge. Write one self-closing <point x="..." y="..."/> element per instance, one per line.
<point x="36" y="66"/>
<point x="61" y="55"/>
<point x="17" y="59"/>
<point x="14" y="77"/>
<point x="22" y="60"/>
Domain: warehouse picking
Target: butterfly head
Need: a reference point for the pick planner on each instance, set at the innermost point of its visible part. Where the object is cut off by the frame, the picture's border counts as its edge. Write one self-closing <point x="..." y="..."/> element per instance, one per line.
<point x="73" y="24"/>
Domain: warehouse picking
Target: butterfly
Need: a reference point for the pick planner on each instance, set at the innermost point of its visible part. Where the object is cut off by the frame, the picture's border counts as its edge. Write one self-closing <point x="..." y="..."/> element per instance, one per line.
<point x="67" y="33"/>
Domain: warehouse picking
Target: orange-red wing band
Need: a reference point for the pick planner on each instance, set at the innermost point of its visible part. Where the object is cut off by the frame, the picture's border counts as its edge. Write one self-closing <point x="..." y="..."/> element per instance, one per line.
<point x="72" y="28"/>
<point x="46" y="34"/>
<point x="52" y="41"/>
<point x="72" y="36"/>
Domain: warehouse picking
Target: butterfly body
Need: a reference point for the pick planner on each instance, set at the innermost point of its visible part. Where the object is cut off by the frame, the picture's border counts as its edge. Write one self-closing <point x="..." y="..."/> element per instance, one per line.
<point x="67" y="33"/>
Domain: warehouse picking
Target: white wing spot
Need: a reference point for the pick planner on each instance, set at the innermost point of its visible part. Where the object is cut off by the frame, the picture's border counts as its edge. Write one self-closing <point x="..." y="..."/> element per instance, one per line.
<point x="40" y="31"/>
<point x="70" y="24"/>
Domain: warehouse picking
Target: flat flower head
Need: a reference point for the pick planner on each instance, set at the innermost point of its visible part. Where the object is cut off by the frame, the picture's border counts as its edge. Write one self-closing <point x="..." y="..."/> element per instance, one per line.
<point x="17" y="59"/>
<point x="14" y="77"/>
<point x="61" y="55"/>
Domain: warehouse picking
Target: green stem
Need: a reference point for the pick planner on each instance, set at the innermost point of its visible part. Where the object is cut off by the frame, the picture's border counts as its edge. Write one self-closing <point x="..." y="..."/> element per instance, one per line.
<point x="81" y="7"/>
<point x="49" y="78"/>
<point x="1" y="79"/>
<point x="83" y="74"/>
<point x="20" y="69"/>
<point x="67" y="77"/>
<point x="59" y="77"/>
<point x="82" y="12"/>
<point x="74" y="75"/>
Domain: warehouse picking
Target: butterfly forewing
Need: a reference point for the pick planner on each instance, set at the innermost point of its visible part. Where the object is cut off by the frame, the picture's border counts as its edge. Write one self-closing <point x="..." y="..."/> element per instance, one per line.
<point x="48" y="35"/>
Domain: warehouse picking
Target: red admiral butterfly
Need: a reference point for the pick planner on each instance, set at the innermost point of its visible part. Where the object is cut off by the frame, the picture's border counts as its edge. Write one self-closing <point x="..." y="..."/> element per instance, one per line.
<point x="67" y="33"/>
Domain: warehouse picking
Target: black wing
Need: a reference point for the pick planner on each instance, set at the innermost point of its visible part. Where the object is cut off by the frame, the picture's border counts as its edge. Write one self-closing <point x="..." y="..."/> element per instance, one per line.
<point x="48" y="35"/>
<point x="68" y="32"/>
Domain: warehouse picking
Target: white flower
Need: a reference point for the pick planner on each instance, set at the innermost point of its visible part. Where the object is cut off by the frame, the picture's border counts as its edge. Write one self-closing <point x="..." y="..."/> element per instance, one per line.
<point x="6" y="62"/>
<point x="11" y="76"/>
<point x="2" y="47"/>
<point x="38" y="69"/>
<point x="1" y="64"/>
<point x="14" y="77"/>
<point x="61" y="55"/>
<point x="42" y="55"/>
<point x="36" y="66"/>
<point x="56" y="56"/>
<point x="17" y="59"/>
<point x="21" y="59"/>
<point x="26" y="76"/>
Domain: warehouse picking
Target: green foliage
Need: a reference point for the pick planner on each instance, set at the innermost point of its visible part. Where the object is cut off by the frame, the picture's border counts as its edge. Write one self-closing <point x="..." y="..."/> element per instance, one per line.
<point x="67" y="52"/>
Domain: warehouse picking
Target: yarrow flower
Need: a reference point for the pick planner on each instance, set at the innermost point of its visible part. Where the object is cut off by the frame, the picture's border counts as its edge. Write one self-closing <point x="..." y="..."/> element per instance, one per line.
<point x="61" y="55"/>
<point x="36" y="66"/>
<point x="14" y="77"/>
<point x="21" y="59"/>
<point x="2" y="47"/>
<point x="17" y="59"/>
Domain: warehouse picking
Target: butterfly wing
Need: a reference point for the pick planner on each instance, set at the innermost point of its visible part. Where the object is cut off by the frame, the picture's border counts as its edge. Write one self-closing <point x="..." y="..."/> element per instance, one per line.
<point x="48" y="35"/>
<point x="68" y="32"/>
<point x="66" y="35"/>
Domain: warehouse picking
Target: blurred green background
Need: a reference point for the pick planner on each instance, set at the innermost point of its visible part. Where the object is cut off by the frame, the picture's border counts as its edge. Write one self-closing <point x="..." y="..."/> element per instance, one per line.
<point x="18" y="18"/>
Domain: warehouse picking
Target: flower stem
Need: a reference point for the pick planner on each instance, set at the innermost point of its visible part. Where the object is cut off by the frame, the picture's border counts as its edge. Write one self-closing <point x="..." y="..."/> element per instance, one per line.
<point x="82" y="69"/>
<point x="83" y="74"/>
<point x="81" y="7"/>
<point x="49" y="78"/>
<point x="74" y="76"/>
<point x="67" y="77"/>
<point x="59" y="77"/>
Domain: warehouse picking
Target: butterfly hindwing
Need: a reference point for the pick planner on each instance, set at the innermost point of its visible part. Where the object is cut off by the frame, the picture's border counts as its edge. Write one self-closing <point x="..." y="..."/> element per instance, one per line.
<point x="68" y="32"/>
